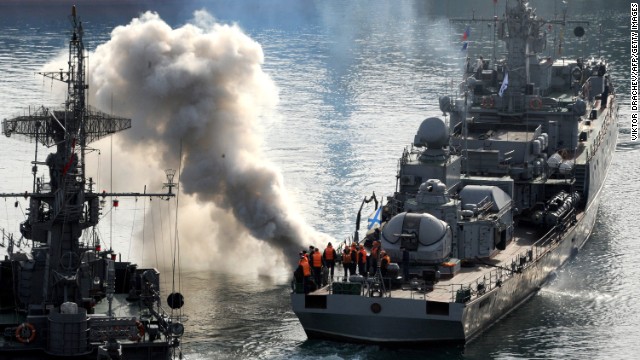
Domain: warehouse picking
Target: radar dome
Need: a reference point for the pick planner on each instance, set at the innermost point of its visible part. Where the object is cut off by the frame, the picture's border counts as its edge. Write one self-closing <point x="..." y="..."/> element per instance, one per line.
<point x="432" y="133"/>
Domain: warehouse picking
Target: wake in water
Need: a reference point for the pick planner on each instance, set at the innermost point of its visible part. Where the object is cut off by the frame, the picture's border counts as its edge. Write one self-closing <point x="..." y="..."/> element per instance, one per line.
<point x="201" y="88"/>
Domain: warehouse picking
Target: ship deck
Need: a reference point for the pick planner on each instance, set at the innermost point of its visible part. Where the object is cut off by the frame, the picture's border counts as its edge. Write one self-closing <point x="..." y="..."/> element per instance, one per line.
<point x="488" y="271"/>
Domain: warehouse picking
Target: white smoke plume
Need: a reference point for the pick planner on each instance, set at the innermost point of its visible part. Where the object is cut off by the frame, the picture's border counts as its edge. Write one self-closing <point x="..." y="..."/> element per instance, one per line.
<point x="200" y="87"/>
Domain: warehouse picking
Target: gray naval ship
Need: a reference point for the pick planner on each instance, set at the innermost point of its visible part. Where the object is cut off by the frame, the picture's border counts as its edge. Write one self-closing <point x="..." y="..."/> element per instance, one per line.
<point x="489" y="201"/>
<point x="68" y="297"/>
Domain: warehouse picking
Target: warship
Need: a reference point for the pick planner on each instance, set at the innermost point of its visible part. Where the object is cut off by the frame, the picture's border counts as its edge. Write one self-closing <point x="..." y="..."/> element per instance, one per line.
<point x="64" y="295"/>
<point x="490" y="199"/>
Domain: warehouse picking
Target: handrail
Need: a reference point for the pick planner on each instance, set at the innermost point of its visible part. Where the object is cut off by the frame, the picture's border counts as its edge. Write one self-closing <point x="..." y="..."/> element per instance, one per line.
<point x="519" y="262"/>
<point x="494" y="278"/>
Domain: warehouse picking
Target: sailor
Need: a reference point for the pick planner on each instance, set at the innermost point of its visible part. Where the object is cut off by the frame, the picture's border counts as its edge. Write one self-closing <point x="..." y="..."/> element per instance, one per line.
<point x="316" y="264"/>
<point x="373" y="258"/>
<point x="304" y="270"/>
<point x="329" y="256"/>
<point x="384" y="266"/>
<point x="346" y="261"/>
<point x="362" y="261"/>
<point x="354" y="259"/>
<point x="384" y="262"/>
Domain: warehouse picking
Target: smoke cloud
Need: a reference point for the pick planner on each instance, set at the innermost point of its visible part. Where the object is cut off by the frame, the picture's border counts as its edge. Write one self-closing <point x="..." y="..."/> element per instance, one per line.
<point x="201" y="88"/>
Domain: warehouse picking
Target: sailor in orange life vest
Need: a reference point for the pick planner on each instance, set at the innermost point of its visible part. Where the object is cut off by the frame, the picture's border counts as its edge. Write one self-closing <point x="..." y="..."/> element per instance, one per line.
<point x="329" y="256"/>
<point x="303" y="273"/>
<point x="384" y="265"/>
<point x="362" y="261"/>
<point x="354" y="259"/>
<point x="316" y="264"/>
<point x="373" y="258"/>
<point x="346" y="261"/>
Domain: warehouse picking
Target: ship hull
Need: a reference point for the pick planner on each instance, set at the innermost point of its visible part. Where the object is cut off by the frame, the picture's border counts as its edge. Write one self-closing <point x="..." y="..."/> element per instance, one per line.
<point x="410" y="322"/>
<point x="405" y="322"/>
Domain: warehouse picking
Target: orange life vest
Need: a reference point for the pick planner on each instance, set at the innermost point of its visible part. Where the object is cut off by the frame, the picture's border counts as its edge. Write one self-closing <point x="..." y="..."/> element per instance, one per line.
<point x="328" y="253"/>
<point x="306" y="269"/>
<point x="362" y="256"/>
<point x="317" y="259"/>
<point x="374" y="252"/>
<point x="346" y="258"/>
<point x="388" y="261"/>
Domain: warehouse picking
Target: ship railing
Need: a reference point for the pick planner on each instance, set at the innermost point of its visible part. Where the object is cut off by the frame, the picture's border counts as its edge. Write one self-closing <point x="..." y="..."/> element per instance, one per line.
<point x="496" y="277"/>
<point x="461" y="293"/>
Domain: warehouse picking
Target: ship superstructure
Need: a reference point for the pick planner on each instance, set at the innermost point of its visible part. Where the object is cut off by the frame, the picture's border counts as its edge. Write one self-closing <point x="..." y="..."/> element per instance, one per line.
<point x="489" y="199"/>
<point x="67" y="296"/>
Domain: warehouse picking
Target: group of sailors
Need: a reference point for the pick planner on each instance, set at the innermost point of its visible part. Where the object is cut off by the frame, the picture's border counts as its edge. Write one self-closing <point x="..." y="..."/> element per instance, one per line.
<point x="355" y="261"/>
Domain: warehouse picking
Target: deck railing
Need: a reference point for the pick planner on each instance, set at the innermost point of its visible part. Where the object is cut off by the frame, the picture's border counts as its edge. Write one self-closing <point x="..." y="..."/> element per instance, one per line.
<point x="379" y="287"/>
<point x="521" y="261"/>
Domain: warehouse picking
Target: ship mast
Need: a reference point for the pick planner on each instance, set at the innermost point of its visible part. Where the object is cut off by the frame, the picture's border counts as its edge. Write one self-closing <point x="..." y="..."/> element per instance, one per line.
<point x="525" y="38"/>
<point x="62" y="208"/>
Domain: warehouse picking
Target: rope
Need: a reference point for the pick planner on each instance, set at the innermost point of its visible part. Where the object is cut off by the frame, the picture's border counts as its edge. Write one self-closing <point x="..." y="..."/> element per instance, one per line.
<point x="135" y="208"/>
<point x="153" y="227"/>
<point x="144" y="224"/>
<point x="176" y="252"/>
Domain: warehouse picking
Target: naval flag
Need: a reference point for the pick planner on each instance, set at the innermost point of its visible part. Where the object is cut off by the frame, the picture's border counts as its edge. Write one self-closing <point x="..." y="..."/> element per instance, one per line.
<point x="504" y="85"/>
<point x="374" y="219"/>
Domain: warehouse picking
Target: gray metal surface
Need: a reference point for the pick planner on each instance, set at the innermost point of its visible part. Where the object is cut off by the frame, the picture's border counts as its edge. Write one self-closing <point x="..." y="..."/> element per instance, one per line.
<point x="516" y="179"/>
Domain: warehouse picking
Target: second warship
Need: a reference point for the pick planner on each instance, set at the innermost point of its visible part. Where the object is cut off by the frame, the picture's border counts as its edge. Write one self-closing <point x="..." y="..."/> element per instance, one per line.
<point x="489" y="201"/>
<point x="67" y="296"/>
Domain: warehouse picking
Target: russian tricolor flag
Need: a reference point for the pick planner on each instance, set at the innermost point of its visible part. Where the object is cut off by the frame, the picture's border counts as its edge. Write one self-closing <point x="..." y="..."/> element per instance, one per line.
<point x="466" y="33"/>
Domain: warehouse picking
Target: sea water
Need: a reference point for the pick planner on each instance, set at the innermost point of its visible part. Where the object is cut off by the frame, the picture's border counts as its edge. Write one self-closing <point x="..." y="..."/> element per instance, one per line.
<point x="355" y="80"/>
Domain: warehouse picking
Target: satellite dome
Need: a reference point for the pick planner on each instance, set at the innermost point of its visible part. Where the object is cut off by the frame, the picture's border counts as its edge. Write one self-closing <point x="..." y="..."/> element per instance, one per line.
<point x="432" y="133"/>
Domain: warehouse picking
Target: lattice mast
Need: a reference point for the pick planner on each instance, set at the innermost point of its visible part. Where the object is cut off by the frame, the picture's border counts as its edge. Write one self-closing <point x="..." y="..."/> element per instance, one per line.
<point x="62" y="208"/>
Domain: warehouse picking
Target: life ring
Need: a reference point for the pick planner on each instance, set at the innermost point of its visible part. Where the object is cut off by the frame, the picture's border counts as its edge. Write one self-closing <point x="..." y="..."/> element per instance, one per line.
<point x="140" y="334"/>
<point x="535" y="103"/>
<point x="25" y="333"/>
<point x="487" y="102"/>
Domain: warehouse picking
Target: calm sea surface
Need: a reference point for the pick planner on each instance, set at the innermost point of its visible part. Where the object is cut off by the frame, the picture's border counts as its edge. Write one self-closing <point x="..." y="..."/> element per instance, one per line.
<point x="356" y="78"/>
